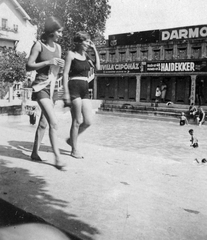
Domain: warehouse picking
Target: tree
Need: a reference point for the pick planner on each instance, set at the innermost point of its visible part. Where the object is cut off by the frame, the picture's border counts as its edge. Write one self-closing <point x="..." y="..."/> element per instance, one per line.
<point x="12" y="66"/>
<point x="77" y="15"/>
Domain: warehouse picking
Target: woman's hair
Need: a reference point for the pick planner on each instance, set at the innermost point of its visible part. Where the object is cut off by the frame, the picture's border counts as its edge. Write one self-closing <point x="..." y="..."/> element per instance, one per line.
<point x="80" y="37"/>
<point x="52" y="24"/>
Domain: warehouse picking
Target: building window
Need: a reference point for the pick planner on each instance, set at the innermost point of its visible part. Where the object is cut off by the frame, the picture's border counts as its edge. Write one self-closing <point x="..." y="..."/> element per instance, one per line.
<point x="182" y="53"/>
<point x="168" y="54"/>
<point x="112" y="56"/>
<point x="196" y="52"/>
<point x="4" y="23"/>
<point x="133" y="55"/>
<point x="122" y="56"/>
<point x="144" y="55"/>
<point x="156" y="54"/>
<point x="102" y="57"/>
<point x="15" y="27"/>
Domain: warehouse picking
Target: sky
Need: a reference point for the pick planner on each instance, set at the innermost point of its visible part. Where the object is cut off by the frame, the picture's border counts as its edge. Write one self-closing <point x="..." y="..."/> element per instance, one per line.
<point x="142" y="15"/>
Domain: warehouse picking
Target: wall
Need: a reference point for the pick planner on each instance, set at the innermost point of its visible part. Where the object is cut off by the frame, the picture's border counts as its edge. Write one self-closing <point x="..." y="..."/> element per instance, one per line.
<point x="26" y="34"/>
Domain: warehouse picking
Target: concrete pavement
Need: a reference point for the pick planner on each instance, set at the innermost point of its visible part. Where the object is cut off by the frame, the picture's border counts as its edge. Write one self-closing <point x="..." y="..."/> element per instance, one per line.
<point x="111" y="194"/>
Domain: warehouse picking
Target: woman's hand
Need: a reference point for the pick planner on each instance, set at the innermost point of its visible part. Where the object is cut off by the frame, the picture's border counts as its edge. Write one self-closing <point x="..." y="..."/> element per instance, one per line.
<point x="92" y="45"/>
<point x="57" y="62"/>
<point x="66" y="100"/>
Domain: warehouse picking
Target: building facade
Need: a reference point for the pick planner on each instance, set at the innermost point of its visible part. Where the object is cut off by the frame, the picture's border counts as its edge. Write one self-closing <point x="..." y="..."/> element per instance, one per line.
<point x="134" y="64"/>
<point x="16" y="31"/>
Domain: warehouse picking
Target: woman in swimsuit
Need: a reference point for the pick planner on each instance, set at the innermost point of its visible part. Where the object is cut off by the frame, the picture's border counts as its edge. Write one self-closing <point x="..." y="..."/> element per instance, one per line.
<point x="75" y="82"/>
<point x="45" y="58"/>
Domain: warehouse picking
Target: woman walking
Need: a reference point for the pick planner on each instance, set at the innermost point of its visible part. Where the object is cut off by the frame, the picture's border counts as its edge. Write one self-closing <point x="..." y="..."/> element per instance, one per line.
<point x="45" y="58"/>
<point x="76" y="70"/>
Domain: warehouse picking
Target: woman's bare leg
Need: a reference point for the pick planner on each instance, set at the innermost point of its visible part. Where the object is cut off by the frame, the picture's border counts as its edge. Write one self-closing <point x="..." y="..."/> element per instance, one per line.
<point x="48" y="111"/>
<point x="76" y="122"/>
<point x="87" y="115"/>
<point x="81" y="119"/>
<point x="42" y="125"/>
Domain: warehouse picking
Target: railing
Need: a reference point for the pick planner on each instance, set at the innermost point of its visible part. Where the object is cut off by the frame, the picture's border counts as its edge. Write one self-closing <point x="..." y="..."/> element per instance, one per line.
<point x="90" y="93"/>
<point x="9" y="29"/>
<point x="59" y="84"/>
<point x="28" y="106"/>
<point x="26" y="94"/>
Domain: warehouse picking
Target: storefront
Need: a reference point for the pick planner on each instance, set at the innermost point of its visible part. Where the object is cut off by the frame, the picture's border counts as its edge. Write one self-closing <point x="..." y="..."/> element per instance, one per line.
<point x="118" y="81"/>
<point x="134" y="64"/>
<point x="137" y="82"/>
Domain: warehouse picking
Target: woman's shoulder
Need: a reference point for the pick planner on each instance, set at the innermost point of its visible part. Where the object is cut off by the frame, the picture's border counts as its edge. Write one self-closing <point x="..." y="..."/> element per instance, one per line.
<point x="58" y="46"/>
<point x="37" y="46"/>
<point x="70" y="54"/>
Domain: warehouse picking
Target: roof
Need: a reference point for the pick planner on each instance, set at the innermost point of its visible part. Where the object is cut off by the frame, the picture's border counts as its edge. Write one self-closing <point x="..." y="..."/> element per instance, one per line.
<point x="20" y="9"/>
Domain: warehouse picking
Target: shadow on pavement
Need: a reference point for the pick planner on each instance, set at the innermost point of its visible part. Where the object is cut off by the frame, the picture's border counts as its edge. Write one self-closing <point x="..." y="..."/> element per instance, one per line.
<point x="17" y="149"/>
<point x="27" y="146"/>
<point x="13" y="216"/>
<point x="31" y="194"/>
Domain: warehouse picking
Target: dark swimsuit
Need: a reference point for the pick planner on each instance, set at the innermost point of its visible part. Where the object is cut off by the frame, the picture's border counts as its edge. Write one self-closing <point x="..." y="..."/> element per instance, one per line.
<point x="79" y="88"/>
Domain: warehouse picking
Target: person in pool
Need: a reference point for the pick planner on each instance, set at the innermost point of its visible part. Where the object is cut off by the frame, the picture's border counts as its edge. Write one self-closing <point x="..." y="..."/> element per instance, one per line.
<point x="183" y="119"/>
<point x="193" y="140"/>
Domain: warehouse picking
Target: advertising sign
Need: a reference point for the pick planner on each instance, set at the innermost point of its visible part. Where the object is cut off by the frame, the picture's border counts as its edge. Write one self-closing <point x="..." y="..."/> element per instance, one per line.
<point x="178" y="66"/>
<point x="132" y="67"/>
<point x="183" y="33"/>
<point x="100" y="42"/>
<point x="155" y="36"/>
<point x="134" y="38"/>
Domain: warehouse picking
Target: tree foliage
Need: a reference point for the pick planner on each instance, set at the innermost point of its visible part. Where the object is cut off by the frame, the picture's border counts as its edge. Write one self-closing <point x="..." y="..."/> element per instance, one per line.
<point x="12" y="69"/>
<point x="77" y="15"/>
<point x="12" y="66"/>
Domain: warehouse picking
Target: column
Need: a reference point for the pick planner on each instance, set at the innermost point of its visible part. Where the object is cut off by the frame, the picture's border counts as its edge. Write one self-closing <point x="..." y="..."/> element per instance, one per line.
<point x="193" y="89"/>
<point x="95" y="87"/>
<point x="11" y="93"/>
<point x="173" y="79"/>
<point x="138" y="88"/>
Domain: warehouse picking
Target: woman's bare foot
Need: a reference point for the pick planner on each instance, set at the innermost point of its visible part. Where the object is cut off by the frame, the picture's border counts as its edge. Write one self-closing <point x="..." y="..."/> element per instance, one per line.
<point x="58" y="165"/>
<point x="76" y="155"/>
<point x="36" y="158"/>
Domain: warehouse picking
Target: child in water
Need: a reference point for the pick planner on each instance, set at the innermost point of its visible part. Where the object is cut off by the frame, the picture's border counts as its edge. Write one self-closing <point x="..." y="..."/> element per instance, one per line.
<point x="193" y="140"/>
<point x="183" y="119"/>
<point x="194" y="144"/>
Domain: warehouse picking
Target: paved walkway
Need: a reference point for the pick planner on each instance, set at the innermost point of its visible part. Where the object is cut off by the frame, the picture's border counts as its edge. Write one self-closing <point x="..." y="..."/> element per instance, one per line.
<point x="138" y="179"/>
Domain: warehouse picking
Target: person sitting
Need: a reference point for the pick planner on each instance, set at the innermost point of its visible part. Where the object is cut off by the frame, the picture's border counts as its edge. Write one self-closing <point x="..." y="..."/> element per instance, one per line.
<point x="192" y="109"/>
<point x="183" y="119"/>
<point x="200" y="116"/>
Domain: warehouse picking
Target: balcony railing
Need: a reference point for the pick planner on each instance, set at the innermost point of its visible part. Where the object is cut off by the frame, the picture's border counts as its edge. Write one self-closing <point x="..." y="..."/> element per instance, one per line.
<point x="8" y="29"/>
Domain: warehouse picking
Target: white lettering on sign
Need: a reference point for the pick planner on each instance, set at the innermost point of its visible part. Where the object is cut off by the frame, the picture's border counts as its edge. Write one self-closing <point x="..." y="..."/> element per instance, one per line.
<point x="184" y="33"/>
<point x="193" y="33"/>
<point x="100" y="42"/>
<point x="174" y="35"/>
<point x="178" y="67"/>
<point x="203" y="32"/>
<point x="165" y="35"/>
<point x="120" y="66"/>
<point x="107" y="67"/>
<point x="171" y="67"/>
